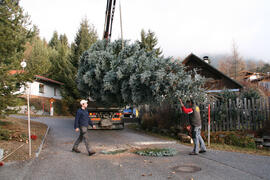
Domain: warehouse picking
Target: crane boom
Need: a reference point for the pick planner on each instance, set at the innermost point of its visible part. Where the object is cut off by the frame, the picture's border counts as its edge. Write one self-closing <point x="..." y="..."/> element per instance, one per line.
<point x="110" y="8"/>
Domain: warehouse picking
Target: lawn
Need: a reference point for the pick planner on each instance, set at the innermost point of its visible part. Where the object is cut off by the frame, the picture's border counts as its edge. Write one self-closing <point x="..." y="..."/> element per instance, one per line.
<point x="14" y="133"/>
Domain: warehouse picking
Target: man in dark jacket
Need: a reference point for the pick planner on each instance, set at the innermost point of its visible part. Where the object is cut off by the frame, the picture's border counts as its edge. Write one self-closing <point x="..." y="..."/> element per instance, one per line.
<point x="195" y="122"/>
<point x="82" y="121"/>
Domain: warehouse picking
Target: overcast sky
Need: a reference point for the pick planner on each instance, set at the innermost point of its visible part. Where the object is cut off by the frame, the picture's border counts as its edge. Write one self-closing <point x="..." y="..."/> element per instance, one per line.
<point x="182" y="26"/>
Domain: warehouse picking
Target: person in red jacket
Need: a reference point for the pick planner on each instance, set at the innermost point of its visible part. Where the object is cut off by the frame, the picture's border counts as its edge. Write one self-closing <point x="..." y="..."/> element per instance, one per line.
<point x="195" y="122"/>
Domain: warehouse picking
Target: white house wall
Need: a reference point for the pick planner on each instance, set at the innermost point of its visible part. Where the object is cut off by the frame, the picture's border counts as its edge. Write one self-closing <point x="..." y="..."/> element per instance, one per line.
<point x="48" y="90"/>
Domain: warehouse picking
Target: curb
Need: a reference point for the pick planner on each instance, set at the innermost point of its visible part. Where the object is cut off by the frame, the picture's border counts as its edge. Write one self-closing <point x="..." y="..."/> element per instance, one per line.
<point x="41" y="145"/>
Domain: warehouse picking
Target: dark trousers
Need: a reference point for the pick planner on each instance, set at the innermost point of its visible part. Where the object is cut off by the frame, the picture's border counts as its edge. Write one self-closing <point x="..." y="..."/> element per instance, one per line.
<point x="83" y="137"/>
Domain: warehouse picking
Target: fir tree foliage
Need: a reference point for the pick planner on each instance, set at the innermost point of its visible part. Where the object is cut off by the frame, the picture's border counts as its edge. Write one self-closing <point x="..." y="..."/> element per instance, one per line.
<point x="149" y="42"/>
<point x="62" y="69"/>
<point x="38" y="55"/>
<point x="54" y="42"/>
<point x="116" y="76"/>
<point x="85" y="37"/>
<point x="59" y="57"/>
<point x="14" y="33"/>
<point x="63" y="39"/>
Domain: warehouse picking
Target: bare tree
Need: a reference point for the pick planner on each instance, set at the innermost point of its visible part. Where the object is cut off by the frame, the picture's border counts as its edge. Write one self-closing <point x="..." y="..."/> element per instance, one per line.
<point x="233" y="64"/>
<point x="238" y="63"/>
<point x="251" y="65"/>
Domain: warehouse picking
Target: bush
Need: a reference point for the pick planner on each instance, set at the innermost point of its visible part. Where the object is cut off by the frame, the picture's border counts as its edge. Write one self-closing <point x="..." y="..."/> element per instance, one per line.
<point x="233" y="138"/>
<point x="37" y="103"/>
<point x="250" y="93"/>
<point x="241" y="141"/>
<point x="148" y="121"/>
<point x="226" y="95"/>
<point x="4" y="134"/>
<point x="20" y="101"/>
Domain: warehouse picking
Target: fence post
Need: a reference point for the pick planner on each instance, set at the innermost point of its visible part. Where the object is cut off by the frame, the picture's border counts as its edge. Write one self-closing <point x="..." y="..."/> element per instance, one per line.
<point x="253" y="102"/>
<point x="221" y="121"/>
<point x="246" y="113"/>
<point x="230" y="116"/>
<point x="209" y="115"/>
<point x="266" y="110"/>
<point x="214" y="119"/>
<point x="250" y="114"/>
<point x="227" y="125"/>
<point x="261" y="114"/>
<point x="238" y="110"/>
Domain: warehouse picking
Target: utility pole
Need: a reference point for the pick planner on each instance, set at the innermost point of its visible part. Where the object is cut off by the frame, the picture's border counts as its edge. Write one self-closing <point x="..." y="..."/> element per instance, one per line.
<point x="29" y="124"/>
<point x="23" y="64"/>
<point x="121" y="25"/>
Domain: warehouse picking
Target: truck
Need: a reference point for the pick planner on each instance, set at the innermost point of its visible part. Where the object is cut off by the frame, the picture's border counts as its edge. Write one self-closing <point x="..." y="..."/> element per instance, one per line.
<point x="106" y="118"/>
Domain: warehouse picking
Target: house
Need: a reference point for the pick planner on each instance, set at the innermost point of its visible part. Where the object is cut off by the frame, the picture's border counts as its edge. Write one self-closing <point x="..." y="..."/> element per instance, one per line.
<point x="251" y="76"/>
<point x="43" y="92"/>
<point x="43" y="88"/>
<point x="216" y="81"/>
<point x="265" y="83"/>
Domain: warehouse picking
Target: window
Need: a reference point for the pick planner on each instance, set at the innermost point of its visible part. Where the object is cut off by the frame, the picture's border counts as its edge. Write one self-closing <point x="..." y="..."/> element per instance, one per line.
<point x="41" y="88"/>
<point x="55" y="91"/>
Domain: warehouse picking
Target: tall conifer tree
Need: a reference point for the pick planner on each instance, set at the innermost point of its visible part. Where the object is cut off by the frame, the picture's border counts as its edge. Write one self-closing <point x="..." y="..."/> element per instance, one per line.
<point x="14" y="33"/>
<point x="54" y="42"/>
<point x="85" y="37"/>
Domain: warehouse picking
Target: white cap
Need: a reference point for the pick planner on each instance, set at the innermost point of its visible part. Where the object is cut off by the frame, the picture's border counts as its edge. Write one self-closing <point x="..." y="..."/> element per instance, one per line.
<point x="83" y="101"/>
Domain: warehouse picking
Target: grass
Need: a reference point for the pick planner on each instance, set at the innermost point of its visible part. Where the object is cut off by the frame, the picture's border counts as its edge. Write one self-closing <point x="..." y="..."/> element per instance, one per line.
<point x="213" y="146"/>
<point x="5" y="123"/>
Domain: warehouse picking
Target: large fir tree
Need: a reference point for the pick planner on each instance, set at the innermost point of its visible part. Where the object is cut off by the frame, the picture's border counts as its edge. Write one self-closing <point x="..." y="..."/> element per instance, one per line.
<point x="63" y="39"/>
<point x="85" y="37"/>
<point x="54" y="42"/>
<point x="62" y="70"/>
<point x="116" y="76"/>
<point x="14" y="33"/>
<point x="38" y="55"/>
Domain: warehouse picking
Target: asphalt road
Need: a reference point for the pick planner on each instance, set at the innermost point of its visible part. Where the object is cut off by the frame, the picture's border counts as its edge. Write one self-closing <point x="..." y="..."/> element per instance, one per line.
<point x="56" y="160"/>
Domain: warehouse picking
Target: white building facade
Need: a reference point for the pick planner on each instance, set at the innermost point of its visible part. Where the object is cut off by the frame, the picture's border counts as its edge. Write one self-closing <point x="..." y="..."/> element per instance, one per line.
<point x="43" y="87"/>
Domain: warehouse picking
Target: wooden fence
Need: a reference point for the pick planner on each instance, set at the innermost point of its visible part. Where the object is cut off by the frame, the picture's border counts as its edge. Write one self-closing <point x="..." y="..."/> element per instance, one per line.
<point x="240" y="114"/>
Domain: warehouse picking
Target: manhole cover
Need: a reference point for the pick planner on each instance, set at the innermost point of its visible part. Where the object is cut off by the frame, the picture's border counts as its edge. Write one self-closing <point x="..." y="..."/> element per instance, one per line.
<point x="187" y="169"/>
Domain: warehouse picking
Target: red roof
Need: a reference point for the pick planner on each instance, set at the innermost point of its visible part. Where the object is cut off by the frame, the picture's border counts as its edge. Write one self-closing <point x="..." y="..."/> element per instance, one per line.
<point x="12" y="72"/>
<point x="49" y="80"/>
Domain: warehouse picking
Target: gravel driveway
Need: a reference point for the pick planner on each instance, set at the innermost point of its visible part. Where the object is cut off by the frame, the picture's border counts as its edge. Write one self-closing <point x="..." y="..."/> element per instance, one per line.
<point x="56" y="161"/>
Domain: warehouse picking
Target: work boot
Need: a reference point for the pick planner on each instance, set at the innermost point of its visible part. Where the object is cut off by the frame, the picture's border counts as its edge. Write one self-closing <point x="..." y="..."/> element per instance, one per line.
<point x="193" y="153"/>
<point x="202" y="151"/>
<point x="76" y="150"/>
<point x="90" y="153"/>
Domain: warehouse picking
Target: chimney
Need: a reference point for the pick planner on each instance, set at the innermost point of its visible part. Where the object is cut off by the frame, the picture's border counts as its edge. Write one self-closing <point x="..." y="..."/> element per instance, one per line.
<point x="206" y="59"/>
